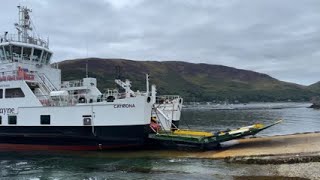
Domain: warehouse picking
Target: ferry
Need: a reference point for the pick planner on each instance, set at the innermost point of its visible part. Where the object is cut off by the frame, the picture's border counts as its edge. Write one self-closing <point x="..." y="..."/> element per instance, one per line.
<point x="40" y="112"/>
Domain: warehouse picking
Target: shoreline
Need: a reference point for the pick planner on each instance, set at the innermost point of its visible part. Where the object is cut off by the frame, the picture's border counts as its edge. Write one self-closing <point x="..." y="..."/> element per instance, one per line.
<point x="279" y="149"/>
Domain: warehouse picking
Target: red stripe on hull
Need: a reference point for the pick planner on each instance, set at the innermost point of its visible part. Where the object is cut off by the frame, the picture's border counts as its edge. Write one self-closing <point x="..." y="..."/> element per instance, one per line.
<point x="28" y="147"/>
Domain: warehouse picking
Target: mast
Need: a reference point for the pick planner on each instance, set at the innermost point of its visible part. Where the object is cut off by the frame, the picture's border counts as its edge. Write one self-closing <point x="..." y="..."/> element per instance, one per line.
<point x="87" y="69"/>
<point x="24" y="24"/>
<point x="147" y="84"/>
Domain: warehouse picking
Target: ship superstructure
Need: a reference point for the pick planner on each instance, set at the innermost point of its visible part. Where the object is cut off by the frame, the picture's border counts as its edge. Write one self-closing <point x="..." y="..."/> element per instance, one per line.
<point x="166" y="109"/>
<point x="39" y="111"/>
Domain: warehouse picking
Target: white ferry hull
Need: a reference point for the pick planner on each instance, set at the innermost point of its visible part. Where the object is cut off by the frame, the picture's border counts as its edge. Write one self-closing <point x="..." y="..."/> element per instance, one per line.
<point x="111" y="125"/>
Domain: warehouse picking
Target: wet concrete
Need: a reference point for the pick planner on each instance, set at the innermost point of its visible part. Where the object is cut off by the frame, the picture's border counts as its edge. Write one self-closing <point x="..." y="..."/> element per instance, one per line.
<point x="294" y="148"/>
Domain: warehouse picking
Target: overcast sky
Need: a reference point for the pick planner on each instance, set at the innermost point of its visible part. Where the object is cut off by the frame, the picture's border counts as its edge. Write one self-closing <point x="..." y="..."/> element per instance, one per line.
<point x="277" y="37"/>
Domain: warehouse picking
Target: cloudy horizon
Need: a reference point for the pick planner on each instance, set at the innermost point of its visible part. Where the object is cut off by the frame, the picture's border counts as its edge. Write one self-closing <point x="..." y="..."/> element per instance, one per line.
<point x="279" y="38"/>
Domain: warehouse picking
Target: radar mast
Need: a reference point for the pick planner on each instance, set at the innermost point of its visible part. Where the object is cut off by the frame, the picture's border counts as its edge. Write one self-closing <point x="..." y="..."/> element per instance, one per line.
<point x="24" y="24"/>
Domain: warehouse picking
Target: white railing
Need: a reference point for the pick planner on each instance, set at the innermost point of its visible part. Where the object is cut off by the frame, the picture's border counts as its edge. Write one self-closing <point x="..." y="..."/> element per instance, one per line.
<point x="75" y="83"/>
<point x="166" y="99"/>
<point x="70" y="100"/>
<point x="112" y="92"/>
<point x="46" y="82"/>
<point x="29" y="40"/>
<point x="16" y="75"/>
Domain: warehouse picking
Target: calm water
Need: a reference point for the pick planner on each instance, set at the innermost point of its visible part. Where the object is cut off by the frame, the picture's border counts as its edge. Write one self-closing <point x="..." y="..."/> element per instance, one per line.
<point x="296" y="117"/>
<point x="145" y="165"/>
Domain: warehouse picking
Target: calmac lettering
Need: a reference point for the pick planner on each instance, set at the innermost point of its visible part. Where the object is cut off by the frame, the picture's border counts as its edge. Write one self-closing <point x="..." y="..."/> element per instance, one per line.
<point x="6" y="110"/>
<point x="124" y="106"/>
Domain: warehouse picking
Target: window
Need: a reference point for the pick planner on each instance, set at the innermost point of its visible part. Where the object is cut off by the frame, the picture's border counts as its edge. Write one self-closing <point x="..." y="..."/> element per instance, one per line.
<point x="14" y="93"/>
<point x="26" y="53"/>
<point x="8" y="54"/>
<point x="87" y="120"/>
<point x="36" y="55"/>
<point x="16" y="52"/>
<point x="12" y="119"/>
<point x="45" y="119"/>
<point x="48" y="58"/>
<point x="0" y="119"/>
<point x="2" y="57"/>
<point x="44" y="57"/>
<point x="1" y="93"/>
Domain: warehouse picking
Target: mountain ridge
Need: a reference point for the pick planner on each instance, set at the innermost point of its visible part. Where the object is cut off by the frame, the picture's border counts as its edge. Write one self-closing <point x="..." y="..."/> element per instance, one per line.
<point x="193" y="81"/>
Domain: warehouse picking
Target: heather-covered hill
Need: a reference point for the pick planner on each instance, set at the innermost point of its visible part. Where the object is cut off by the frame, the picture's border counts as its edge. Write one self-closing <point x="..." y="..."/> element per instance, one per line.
<point x="200" y="82"/>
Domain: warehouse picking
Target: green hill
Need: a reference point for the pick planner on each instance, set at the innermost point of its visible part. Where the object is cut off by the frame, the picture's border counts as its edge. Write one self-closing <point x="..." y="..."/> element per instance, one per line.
<point x="315" y="87"/>
<point x="200" y="82"/>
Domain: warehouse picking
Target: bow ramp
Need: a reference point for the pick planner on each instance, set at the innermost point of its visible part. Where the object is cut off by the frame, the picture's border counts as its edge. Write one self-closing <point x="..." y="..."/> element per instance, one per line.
<point x="202" y="139"/>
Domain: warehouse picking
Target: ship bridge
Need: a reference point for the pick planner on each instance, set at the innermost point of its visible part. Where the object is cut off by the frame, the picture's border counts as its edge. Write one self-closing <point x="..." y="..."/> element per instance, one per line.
<point x="26" y="57"/>
<point x="23" y="47"/>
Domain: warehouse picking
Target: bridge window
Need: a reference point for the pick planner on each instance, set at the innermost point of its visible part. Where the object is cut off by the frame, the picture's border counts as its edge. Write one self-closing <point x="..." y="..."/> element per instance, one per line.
<point x="12" y="119"/>
<point x="7" y="51"/>
<point x="36" y="55"/>
<point x="26" y="53"/>
<point x="16" y="53"/>
<point x="48" y="58"/>
<point x="45" y="119"/>
<point x="1" y="93"/>
<point x="44" y="57"/>
<point x="14" y="93"/>
<point x="2" y="57"/>
<point x="0" y="119"/>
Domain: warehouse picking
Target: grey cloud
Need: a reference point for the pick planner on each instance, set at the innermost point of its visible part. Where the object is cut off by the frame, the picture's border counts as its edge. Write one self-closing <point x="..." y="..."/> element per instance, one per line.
<point x="280" y="38"/>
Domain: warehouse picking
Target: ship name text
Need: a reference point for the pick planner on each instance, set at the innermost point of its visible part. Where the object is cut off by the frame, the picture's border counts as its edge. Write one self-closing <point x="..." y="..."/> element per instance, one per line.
<point x="6" y="110"/>
<point x="124" y="106"/>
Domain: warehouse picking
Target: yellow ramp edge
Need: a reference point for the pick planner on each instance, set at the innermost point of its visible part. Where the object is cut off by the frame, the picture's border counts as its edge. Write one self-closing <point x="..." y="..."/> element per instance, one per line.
<point x="192" y="133"/>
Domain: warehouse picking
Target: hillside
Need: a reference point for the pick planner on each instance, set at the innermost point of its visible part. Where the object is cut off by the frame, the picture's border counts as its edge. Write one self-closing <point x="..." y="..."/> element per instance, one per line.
<point x="200" y="82"/>
<point x="315" y="87"/>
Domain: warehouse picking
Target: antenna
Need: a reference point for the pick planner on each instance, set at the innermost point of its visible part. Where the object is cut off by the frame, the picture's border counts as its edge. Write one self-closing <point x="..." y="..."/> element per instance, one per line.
<point x="87" y="58"/>
<point x="87" y="69"/>
<point x="24" y="23"/>
<point x="147" y="84"/>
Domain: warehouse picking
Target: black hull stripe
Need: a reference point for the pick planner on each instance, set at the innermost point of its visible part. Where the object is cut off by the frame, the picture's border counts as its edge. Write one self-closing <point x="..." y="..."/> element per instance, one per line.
<point x="107" y="136"/>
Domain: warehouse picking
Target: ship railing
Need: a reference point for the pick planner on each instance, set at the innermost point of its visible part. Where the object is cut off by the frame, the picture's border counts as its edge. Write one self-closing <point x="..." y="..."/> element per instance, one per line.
<point x="20" y="39"/>
<point x="45" y="100"/>
<point x="45" y="81"/>
<point x="70" y="100"/>
<point x="112" y="92"/>
<point x="167" y="99"/>
<point x="16" y="76"/>
<point x="115" y="93"/>
<point x="69" y="84"/>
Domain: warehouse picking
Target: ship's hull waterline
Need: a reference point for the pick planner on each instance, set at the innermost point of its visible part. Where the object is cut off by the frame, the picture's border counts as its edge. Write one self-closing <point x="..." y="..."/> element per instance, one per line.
<point x="73" y="138"/>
